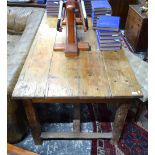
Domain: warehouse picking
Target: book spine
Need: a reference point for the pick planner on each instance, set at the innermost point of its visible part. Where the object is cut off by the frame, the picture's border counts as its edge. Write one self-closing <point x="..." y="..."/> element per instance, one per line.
<point x="110" y="49"/>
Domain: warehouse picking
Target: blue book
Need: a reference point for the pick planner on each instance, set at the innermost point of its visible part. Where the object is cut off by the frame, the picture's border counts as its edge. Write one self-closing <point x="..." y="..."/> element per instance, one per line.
<point x="108" y="23"/>
<point x="108" y="36"/>
<point x="100" y="5"/>
<point x="105" y="47"/>
<point x="108" y="42"/>
<point x="107" y="33"/>
<point x="41" y="1"/>
<point x="109" y="48"/>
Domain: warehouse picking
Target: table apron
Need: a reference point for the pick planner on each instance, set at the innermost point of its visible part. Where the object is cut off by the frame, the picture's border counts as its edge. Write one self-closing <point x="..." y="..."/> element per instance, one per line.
<point x="81" y="101"/>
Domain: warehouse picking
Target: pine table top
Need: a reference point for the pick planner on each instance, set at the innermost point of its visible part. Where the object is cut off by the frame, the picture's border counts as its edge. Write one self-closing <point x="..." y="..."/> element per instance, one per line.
<point x="49" y="74"/>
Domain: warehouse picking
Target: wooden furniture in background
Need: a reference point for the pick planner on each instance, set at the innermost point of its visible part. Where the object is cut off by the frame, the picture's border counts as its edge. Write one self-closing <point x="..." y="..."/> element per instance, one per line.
<point x="120" y="8"/>
<point x="14" y="150"/>
<point x="136" y="29"/>
<point x="92" y="77"/>
<point x="33" y="3"/>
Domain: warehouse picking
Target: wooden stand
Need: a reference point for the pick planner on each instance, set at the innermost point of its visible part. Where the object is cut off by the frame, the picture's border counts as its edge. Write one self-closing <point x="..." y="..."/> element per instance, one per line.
<point x="71" y="47"/>
<point x="82" y="46"/>
<point x="78" y="21"/>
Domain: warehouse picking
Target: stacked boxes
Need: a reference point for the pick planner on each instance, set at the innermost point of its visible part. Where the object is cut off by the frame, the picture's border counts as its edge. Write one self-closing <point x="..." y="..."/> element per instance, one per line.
<point x="100" y="8"/>
<point x="52" y="7"/>
<point x="108" y="33"/>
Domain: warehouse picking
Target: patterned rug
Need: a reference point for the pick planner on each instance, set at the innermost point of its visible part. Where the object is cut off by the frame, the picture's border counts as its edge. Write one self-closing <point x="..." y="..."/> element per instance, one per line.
<point x="134" y="140"/>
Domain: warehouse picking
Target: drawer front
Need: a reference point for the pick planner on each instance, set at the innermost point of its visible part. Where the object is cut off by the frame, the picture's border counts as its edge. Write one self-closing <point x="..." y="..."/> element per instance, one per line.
<point x="135" y="16"/>
<point x="134" y="20"/>
<point x="132" y="30"/>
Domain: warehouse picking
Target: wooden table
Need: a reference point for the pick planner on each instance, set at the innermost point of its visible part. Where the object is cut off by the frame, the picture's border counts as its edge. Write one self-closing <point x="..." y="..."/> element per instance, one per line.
<point x="93" y="77"/>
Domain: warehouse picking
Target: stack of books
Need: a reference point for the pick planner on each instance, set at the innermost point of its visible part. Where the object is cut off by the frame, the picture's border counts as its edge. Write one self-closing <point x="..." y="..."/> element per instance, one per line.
<point x="52" y="7"/>
<point x="41" y="1"/>
<point x="108" y="33"/>
<point x="88" y="7"/>
<point x="100" y="8"/>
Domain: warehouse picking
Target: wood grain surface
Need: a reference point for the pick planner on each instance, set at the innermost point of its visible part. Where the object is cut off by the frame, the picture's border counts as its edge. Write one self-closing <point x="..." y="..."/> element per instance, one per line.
<point x="92" y="74"/>
<point x="73" y="135"/>
<point x="14" y="150"/>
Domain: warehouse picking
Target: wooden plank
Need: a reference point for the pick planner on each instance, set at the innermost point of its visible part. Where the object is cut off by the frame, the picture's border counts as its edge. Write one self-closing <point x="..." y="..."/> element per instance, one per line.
<point x="32" y="80"/>
<point x="52" y="21"/>
<point x="80" y="76"/>
<point x="121" y="78"/>
<point x="61" y="36"/>
<point x="89" y="68"/>
<point x="84" y="75"/>
<point x="92" y="76"/>
<point x="67" y="135"/>
<point x="76" y="125"/>
<point x="88" y="100"/>
<point x="119" y="121"/>
<point x="14" y="150"/>
<point x="83" y="46"/>
<point x="62" y="79"/>
<point x="76" y="121"/>
<point x="88" y="36"/>
<point x="130" y="77"/>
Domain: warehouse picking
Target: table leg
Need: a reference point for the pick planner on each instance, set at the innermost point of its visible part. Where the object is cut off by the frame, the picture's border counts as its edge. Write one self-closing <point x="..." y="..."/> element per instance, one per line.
<point x="33" y="121"/>
<point x="119" y="121"/>
<point x="76" y="121"/>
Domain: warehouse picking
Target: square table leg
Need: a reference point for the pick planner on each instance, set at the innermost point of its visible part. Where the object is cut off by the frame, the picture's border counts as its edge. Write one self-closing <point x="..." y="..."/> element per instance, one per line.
<point x="119" y="121"/>
<point x="76" y="120"/>
<point x="33" y="121"/>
